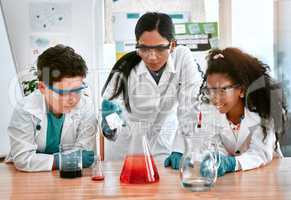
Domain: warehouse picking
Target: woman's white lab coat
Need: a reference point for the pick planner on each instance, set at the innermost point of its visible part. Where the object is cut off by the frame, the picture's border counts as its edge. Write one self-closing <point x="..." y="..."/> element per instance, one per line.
<point x="155" y="109"/>
<point x="28" y="130"/>
<point x="249" y="147"/>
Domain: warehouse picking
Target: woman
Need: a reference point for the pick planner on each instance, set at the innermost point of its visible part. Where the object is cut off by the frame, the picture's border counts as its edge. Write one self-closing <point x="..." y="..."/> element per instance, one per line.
<point x="149" y="84"/>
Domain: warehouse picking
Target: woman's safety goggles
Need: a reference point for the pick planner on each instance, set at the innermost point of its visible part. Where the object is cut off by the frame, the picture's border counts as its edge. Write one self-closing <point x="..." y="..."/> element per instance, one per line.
<point x="68" y="91"/>
<point x="159" y="50"/>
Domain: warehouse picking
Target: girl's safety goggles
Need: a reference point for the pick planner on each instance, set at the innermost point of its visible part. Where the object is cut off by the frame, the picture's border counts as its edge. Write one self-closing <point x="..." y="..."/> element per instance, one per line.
<point x="220" y="90"/>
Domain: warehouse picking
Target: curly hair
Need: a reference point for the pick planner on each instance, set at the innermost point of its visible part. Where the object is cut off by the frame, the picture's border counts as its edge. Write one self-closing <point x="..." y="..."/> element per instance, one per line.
<point x="263" y="94"/>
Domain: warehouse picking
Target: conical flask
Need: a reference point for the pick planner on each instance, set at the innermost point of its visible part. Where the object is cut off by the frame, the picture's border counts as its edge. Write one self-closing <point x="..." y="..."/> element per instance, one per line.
<point x="139" y="166"/>
<point x="97" y="170"/>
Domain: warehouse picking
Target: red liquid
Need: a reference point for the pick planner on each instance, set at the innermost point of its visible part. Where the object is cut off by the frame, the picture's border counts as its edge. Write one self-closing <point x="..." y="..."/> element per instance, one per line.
<point x="139" y="169"/>
<point x="97" y="178"/>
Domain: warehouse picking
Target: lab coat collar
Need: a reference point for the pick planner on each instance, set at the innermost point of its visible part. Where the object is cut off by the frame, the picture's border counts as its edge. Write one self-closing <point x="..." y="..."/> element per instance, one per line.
<point x="35" y="104"/>
<point x="250" y="118"/>
<point x="142" y="68"/>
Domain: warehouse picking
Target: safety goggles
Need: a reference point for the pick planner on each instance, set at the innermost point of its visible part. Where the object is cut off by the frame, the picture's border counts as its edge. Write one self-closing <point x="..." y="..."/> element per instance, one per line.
<point x="211" y="91"/>
<point x="158" y="49"/>
<point x="68" y="91"/>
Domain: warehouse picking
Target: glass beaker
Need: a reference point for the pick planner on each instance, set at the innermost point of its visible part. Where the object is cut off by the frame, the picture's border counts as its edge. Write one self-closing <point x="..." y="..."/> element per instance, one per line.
<point x="198" y="169"/>
<point x="139" y="166"/>
<point x="70" y="161"/>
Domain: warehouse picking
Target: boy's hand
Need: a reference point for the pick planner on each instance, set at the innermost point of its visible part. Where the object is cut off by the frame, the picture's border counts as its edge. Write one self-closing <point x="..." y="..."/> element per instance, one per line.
<point x="87" y="158"/>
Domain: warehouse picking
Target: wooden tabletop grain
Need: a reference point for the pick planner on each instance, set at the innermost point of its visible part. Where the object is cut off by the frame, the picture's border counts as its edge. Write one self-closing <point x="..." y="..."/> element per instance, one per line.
<point x="266" y="183"/>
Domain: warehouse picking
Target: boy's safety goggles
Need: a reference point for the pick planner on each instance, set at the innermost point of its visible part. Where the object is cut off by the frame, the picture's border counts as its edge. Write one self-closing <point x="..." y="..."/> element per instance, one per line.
<point x="67" y="91"/>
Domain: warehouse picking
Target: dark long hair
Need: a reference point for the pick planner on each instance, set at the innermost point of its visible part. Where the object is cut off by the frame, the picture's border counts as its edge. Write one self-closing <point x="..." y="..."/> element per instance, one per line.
<point x="263" y="94"/>
<point x="150" y="21"/>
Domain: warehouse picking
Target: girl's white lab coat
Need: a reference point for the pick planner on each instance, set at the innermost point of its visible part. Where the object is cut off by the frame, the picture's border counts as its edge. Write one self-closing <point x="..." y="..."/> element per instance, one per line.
<point x="155" y="109"/>
<point x="28" y="129"/>
<point x="249" y="147"/>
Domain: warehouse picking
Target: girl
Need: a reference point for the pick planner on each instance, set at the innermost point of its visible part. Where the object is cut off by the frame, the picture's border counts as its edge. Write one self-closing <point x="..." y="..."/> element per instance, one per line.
<point x="150" y="84"/>
<point x="252" y="113"/>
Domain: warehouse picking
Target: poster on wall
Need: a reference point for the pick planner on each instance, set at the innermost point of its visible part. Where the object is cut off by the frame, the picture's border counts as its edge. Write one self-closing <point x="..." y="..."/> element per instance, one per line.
<point x="125" y="40"/>
<point x="38" y="44"/>
<point x="50" y="17"/>
<point x="49" y="24"/>
<point x="198" y="36"/>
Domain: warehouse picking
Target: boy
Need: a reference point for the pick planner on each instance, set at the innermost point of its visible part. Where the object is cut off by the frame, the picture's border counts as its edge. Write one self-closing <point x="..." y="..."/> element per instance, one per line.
<point x="58" y="112"/>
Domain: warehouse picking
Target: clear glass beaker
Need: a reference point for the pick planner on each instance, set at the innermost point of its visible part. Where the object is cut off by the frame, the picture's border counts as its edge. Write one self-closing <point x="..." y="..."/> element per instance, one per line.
<point x="198" y="169"/>
<point x="70" y="161"/>
<point x="139" y="166"/>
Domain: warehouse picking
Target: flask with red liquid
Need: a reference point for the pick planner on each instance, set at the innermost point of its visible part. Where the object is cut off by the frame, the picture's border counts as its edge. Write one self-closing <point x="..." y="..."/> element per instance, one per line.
<point x="97" y="170"/>
<point x="139" y="166"/>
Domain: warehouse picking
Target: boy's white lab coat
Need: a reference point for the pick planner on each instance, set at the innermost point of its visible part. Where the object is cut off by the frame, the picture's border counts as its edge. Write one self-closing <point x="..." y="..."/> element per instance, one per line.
<point x="28" y="129"/>
<point x="249" y="147"/>
<point x="155" y="109"/>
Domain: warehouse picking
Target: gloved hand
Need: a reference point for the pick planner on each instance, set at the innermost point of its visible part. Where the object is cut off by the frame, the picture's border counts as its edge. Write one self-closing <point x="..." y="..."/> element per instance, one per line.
<point x="173" y="160"/>
<point x="109" y="107"/>
<point x="227" y="164"/>
<point x="87" y="158"/>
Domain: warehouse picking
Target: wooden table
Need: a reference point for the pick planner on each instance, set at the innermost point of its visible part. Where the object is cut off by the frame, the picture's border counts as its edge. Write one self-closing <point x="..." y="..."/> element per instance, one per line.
<point x="272" y="182"/>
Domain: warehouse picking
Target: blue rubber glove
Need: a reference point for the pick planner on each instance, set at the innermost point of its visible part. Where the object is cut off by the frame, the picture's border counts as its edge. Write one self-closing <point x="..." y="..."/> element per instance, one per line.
<point x="173" y="160"/>
<point x="208" y="167"/>
<point x="109" y="107"/>
<point x="87" y="158"/>
<point x="227" y="164"/>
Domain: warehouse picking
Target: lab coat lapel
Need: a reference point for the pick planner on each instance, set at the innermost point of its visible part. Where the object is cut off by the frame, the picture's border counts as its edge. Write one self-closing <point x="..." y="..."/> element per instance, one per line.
<point x="142" y="70"/>
<point x="37" y="108"/>
<point x="66" y="126"/>
<point x="228" y="138"/>
<point x="71" y="123"/>
<point x="250" y="121"/>
<point x="168" y="72"/>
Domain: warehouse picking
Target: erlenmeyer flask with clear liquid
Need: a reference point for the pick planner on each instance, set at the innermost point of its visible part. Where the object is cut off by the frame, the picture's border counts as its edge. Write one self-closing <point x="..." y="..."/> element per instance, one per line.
<point x="198" y="169"/>
<point x="139" y="166"/>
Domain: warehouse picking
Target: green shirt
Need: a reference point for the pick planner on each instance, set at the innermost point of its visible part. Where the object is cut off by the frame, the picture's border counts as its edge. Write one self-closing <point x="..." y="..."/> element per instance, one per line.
<point x="54" y="132"/>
